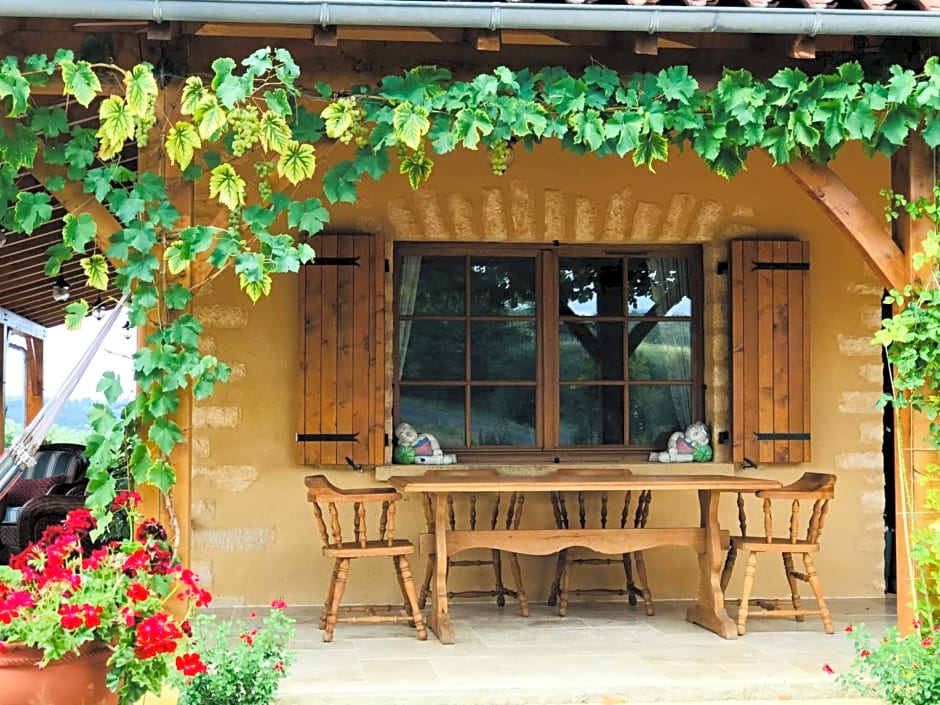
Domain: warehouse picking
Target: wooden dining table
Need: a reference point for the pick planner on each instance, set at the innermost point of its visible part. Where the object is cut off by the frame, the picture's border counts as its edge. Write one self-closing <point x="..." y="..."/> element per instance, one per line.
<point x="703" y="535"/>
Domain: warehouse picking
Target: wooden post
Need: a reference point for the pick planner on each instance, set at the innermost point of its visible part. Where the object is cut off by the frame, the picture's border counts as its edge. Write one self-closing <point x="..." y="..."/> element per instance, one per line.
<point x="913" y="175"/>
<point x="33" y="377"/>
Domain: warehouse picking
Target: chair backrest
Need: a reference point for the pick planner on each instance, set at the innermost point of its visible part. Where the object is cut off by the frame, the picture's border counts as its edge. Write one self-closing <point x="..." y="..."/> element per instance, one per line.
<point x="321" y="491"/>
<point x="589" y="515"/>
<point x="818" y="488"/>
<point x="65" y="460"/>
<point x="56" y="464"/>
<point x="467" y="515"/>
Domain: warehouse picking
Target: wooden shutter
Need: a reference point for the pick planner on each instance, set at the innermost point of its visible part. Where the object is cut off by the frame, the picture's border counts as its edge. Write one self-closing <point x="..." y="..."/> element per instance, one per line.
<point x="342" y="388"/>
<point x="770" y="351"/>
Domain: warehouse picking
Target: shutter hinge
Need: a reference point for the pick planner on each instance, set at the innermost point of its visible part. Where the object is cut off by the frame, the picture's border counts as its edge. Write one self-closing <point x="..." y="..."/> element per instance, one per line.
<point x="328" y="437"/>
<point x="336" y="261"/>
<point x="781" y="436"/>
<point x="386" y="441"/>
<point x="799" y="266"/>
<point x="388" y="267"/>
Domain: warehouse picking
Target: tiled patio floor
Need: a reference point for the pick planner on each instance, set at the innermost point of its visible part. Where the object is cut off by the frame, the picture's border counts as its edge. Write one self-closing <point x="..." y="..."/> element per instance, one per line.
<point x="601" y="654"/>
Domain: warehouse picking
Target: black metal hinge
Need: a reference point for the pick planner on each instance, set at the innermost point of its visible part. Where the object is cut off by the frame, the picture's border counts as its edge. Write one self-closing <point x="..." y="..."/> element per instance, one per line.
<point x="782" y="436"/>
<point x="336" y="261"/>
<point x="797" y="266"/>
<point x="329" y="437"/>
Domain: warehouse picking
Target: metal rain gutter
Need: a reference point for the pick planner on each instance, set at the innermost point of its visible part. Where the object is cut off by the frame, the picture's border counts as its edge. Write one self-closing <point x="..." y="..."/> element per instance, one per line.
<point x="493" y="16"/>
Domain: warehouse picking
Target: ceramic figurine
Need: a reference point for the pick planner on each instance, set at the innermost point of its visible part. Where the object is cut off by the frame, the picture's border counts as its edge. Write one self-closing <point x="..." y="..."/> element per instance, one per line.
<point x="424" y="448"/>
<point x="685" y="446"/>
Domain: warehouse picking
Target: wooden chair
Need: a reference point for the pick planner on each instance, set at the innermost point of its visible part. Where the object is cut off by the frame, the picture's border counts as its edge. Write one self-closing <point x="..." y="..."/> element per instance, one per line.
<point x="354" y="503"/>
<point x="600" y="506"/>
<point x="484" y="511"/>
<point x="817" y="488"/>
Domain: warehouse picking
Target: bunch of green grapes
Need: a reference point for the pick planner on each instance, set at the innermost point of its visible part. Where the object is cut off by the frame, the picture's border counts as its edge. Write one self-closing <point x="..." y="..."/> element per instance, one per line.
<point x="246" y="127"/>
<point x="264" y="169"/>
<point x="357" y="131"/>
<point x="235" y="219"/>
<point x="146" y="121"/>
<point x="499" y="157"/>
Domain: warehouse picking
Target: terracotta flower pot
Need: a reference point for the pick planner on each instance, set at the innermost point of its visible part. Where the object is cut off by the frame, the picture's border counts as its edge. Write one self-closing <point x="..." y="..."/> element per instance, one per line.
<point x="72" y="680"/>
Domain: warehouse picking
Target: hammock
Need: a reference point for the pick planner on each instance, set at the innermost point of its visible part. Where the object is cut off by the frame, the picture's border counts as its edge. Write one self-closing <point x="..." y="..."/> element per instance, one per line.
<point x="21" y="454"/>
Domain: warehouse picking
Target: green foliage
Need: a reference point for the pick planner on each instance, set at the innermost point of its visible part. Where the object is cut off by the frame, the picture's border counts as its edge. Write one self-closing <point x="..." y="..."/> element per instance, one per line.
<point x="906" y="669"/>
<point x="899" y="669"/>
<point x="244" y="662"/>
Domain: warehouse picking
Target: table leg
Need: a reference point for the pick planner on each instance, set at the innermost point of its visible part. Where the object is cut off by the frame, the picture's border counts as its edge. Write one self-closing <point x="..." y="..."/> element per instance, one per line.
<point x="709" y="610"/>
<point x="439" y="616"/>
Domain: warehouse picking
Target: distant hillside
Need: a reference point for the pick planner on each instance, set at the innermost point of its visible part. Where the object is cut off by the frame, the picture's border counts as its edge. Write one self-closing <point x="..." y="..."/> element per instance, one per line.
<point x="73" y="415"/>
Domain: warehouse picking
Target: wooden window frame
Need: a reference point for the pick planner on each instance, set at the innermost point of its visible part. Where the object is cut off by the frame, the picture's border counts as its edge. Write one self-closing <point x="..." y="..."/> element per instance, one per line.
<point x="547" y="363"/>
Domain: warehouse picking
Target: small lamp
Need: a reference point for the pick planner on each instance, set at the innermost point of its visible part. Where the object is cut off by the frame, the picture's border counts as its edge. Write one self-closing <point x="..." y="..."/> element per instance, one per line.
<point x="60" y="289"/>
<point x="97" y="310"/>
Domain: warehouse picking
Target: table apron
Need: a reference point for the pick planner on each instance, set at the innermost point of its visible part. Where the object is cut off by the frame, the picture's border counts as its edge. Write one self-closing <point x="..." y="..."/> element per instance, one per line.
<point x="543" y="542"/>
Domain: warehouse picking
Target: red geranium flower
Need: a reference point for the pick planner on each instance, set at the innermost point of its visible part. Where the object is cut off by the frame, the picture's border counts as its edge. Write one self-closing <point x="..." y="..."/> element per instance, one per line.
<point x="190" y="664"/>
<point x="137" y="592"/>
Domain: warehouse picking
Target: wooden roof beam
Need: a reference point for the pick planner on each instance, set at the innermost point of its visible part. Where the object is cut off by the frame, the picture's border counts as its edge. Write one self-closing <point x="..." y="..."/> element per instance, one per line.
<point x="869" y="234"/>
<point x="325" y="36"/>
<point x="487" y="40"/>
<point x="21" y="325"/>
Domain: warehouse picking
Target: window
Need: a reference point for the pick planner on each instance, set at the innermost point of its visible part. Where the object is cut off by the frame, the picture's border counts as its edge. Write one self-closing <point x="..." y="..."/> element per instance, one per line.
<point x="548" y="352"/>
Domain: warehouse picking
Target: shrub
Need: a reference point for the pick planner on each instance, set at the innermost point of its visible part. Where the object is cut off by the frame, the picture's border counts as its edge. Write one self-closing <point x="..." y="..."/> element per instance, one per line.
<point x="244" y="664"/>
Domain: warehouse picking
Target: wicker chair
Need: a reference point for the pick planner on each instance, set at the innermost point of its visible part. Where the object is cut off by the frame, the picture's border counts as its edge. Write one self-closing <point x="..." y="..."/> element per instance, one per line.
<point x="42" y="496"/>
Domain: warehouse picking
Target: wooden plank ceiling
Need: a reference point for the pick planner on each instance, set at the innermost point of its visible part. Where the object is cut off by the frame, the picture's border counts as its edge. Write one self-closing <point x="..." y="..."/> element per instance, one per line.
<point x="25" y="289"/>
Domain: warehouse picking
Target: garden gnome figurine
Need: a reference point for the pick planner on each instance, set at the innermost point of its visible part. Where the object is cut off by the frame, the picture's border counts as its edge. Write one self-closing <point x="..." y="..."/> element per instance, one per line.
<point x="425" y="448"/>
<point x="686" y="446"/>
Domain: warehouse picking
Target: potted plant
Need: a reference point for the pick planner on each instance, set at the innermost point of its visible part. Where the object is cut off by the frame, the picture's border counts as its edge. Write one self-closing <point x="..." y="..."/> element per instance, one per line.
<point x="109" y="614"/>
<point x="245" y="662"/>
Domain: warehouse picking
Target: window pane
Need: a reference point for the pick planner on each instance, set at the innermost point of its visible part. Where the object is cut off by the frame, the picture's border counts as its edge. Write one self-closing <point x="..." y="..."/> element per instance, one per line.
<point x="590" y="351"/>
<point x="590" y="286"/>
<point x="435" y="410"/>
<point x="661" y="351"/>
<point x="502" y="351"/>
<point x="657" y="411"/>
<point x="431" y="286"/>
<point x="591" y="416"/>
<point x="502" y="416"/>
<point x="660" y="286"/>
<point x="431" y="350"/>
<point x="502" y="286"/>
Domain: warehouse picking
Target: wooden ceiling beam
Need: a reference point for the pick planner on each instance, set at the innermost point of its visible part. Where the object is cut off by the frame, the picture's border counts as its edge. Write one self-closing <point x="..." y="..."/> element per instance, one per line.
<point x="869" y="234"/>
<point x="448" y="35"/>
<point x="645" y="44"/>
<point x="325" y="36"/>
<point x="20" y="324"/>
<point x="487" y="40"/>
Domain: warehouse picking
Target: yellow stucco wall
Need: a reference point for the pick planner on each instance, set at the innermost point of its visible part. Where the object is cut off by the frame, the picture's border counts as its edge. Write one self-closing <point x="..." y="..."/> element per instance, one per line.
<point x="253" y="532"/>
